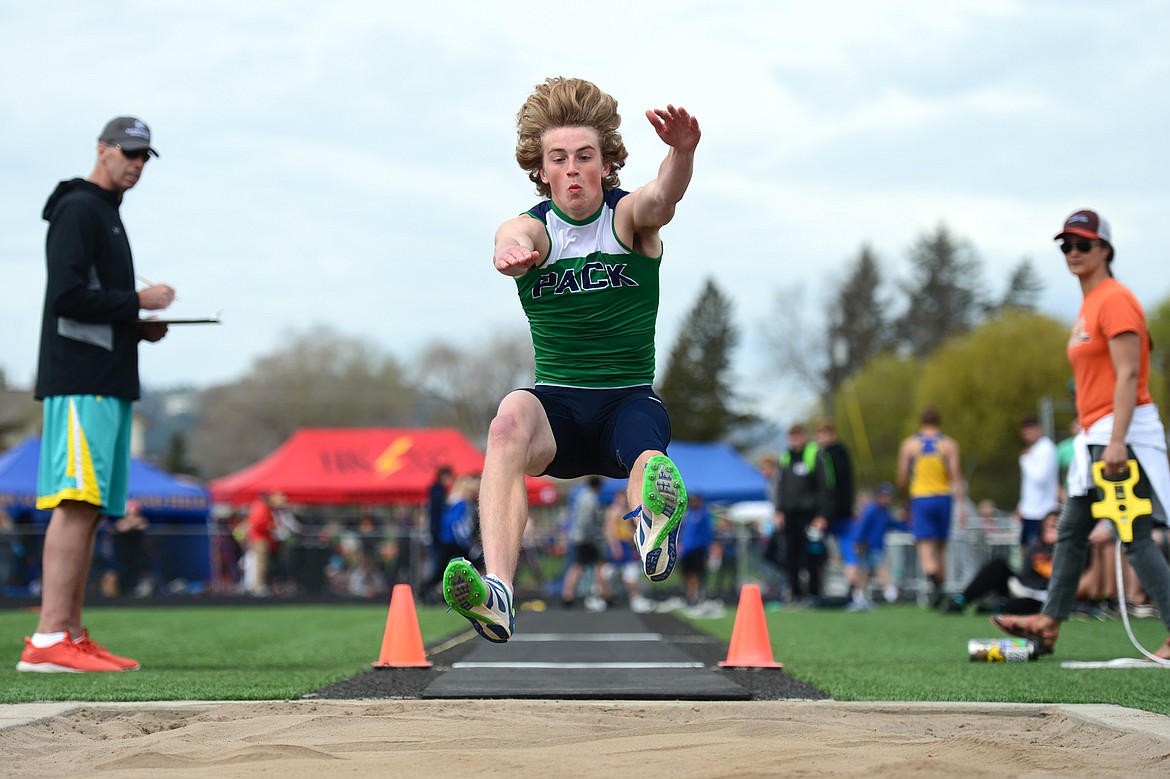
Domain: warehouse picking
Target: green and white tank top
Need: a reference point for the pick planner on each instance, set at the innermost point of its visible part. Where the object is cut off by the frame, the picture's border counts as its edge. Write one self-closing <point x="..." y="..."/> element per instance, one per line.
<point x="592" y="305"/>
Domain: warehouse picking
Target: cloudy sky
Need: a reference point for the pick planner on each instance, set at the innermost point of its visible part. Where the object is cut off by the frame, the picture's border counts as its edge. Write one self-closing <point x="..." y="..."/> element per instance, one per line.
<point x="346" y="163"/>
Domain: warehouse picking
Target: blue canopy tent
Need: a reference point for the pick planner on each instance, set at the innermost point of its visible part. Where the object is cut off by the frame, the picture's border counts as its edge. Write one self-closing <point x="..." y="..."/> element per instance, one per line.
<point x="714" y="470"/>
<point x="179" y="510"/>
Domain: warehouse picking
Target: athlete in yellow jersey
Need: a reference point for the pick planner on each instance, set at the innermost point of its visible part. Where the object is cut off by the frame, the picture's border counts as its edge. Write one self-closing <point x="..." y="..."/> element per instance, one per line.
<point x="928" y="471"/>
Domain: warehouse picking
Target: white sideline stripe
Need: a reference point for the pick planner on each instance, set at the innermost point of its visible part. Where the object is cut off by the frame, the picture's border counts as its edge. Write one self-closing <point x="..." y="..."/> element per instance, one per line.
<point x="573" y="666"/>
<point x="1120" y="662"/>
<point x="587" y="637"/>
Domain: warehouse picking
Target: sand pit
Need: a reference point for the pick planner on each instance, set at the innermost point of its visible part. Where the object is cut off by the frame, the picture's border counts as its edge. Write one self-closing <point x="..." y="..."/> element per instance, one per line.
<point x="684" y="740"/>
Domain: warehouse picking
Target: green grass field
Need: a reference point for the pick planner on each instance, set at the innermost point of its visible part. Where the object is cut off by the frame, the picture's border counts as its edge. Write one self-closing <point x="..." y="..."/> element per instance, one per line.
<point x="905" y="653"/>
<point x="273" y="652"/>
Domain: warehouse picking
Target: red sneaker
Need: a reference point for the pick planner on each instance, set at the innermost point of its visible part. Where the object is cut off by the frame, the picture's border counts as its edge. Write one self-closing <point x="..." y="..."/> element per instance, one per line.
<point x="97" y="650"/>
<point x="62" y="657"/>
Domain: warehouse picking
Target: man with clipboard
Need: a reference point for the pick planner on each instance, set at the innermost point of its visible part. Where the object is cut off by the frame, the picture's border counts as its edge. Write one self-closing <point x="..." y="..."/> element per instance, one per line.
<point x="87" y="380"/>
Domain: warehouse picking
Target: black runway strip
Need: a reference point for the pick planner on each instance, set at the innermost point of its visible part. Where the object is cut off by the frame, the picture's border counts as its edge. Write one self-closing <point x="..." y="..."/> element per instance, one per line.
<point x="559" y="654"/>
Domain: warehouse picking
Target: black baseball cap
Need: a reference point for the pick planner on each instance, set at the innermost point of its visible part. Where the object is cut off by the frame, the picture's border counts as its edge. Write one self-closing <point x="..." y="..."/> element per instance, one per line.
<point x="127" y="132"/>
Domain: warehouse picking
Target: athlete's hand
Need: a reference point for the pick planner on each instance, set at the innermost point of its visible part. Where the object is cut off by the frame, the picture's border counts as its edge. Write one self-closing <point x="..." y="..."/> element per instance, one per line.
<point x="514" y="260"/>
<point x="675" y="127"/>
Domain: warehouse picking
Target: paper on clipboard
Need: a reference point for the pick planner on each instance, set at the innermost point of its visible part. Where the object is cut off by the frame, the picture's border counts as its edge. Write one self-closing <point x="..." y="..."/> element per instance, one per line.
<point x="213" y="319"/>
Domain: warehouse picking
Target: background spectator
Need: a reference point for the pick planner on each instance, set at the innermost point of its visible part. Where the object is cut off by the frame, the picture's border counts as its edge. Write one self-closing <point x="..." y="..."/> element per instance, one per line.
<point x="876" y="520"/>
<point x="131" y="556"/>
<point x="695" y="538"/>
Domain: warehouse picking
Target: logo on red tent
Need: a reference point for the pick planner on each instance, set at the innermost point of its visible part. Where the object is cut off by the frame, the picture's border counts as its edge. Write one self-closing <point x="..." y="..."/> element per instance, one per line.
<point x="391" y="460"/>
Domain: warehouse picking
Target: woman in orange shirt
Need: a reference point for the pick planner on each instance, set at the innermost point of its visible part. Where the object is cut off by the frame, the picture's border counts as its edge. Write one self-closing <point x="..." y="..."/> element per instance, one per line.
<point x="1109" y="350"/>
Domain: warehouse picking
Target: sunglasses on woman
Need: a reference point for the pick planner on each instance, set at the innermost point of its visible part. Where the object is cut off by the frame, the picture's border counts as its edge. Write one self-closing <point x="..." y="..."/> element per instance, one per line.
<point x="1082" y="245"/>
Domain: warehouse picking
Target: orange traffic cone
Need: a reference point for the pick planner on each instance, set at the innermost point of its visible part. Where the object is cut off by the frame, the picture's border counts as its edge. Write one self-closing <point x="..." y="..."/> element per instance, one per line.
<point x="750" y="646"/>
<point x="402" y="645"/>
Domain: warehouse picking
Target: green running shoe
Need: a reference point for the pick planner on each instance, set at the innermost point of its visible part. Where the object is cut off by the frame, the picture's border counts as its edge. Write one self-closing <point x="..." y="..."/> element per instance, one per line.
<point x="485" y="601"/>
<point x="664" y="502"/>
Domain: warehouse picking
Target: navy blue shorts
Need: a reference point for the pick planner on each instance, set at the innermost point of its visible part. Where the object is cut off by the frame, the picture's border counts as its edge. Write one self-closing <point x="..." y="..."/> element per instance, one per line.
<point x="586" y="553"/>
<point x="602" y="431"/>
<point x="1030" y="530"/>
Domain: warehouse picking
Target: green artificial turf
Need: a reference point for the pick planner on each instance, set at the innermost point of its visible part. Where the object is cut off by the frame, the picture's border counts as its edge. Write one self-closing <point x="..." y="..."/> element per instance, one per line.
<point x="274" y="652"/>
<point x="906" y="653"/>
<point x="269" y="652"/>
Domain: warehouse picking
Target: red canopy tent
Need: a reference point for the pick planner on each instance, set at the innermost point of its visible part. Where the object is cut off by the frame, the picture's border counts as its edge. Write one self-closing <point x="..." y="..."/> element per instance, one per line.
<point x="369" y="465"/>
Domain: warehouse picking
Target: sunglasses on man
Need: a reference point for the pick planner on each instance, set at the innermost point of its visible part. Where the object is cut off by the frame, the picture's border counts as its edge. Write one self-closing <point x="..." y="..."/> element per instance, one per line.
<point x="135" y="154"/>
<point x="1082" y="245"/>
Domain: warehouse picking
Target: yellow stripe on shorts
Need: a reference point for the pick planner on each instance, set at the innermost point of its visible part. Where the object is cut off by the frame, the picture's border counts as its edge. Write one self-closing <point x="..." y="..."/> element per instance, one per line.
<point x="80" y="466"/>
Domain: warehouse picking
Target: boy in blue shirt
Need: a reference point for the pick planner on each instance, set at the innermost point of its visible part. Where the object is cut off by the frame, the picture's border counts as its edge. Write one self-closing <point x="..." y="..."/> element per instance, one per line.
<point x="875" y="521"/>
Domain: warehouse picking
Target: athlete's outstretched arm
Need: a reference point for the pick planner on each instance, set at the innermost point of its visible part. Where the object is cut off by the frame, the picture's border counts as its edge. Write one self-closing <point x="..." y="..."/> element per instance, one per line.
<point x="655" y="201"/>
<point x="520" y="243"/>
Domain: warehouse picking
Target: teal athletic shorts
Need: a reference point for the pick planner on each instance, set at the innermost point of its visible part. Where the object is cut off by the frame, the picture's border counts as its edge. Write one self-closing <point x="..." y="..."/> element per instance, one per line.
<point x="85" y="452"/>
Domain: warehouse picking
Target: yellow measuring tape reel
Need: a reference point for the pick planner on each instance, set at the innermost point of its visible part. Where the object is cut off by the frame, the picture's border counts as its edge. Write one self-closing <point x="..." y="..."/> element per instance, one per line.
<point x="1119" y="503"/>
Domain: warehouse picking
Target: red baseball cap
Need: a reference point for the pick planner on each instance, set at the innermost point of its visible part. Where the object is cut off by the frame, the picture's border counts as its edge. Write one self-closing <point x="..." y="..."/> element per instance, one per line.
<point x="1087" y="224"/>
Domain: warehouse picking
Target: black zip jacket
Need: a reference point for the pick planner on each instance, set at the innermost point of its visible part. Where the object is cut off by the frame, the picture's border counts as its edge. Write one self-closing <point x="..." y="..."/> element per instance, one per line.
<point x="89" y="339"/>
<point x="836" y="482"/>
<point x="797" y="487"/>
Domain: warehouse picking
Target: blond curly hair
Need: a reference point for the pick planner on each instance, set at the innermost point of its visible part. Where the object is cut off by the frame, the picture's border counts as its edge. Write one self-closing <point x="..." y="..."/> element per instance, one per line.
<point x="568" y="102"/>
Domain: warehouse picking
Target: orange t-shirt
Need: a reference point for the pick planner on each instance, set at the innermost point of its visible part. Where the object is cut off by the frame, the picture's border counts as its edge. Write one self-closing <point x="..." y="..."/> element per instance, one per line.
<point x="1107" y="311"/>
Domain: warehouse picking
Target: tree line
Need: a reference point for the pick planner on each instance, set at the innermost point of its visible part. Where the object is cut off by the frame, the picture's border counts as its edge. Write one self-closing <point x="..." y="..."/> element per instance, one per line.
<point x="888" y="348"/>
<point x="883" y="349"/>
